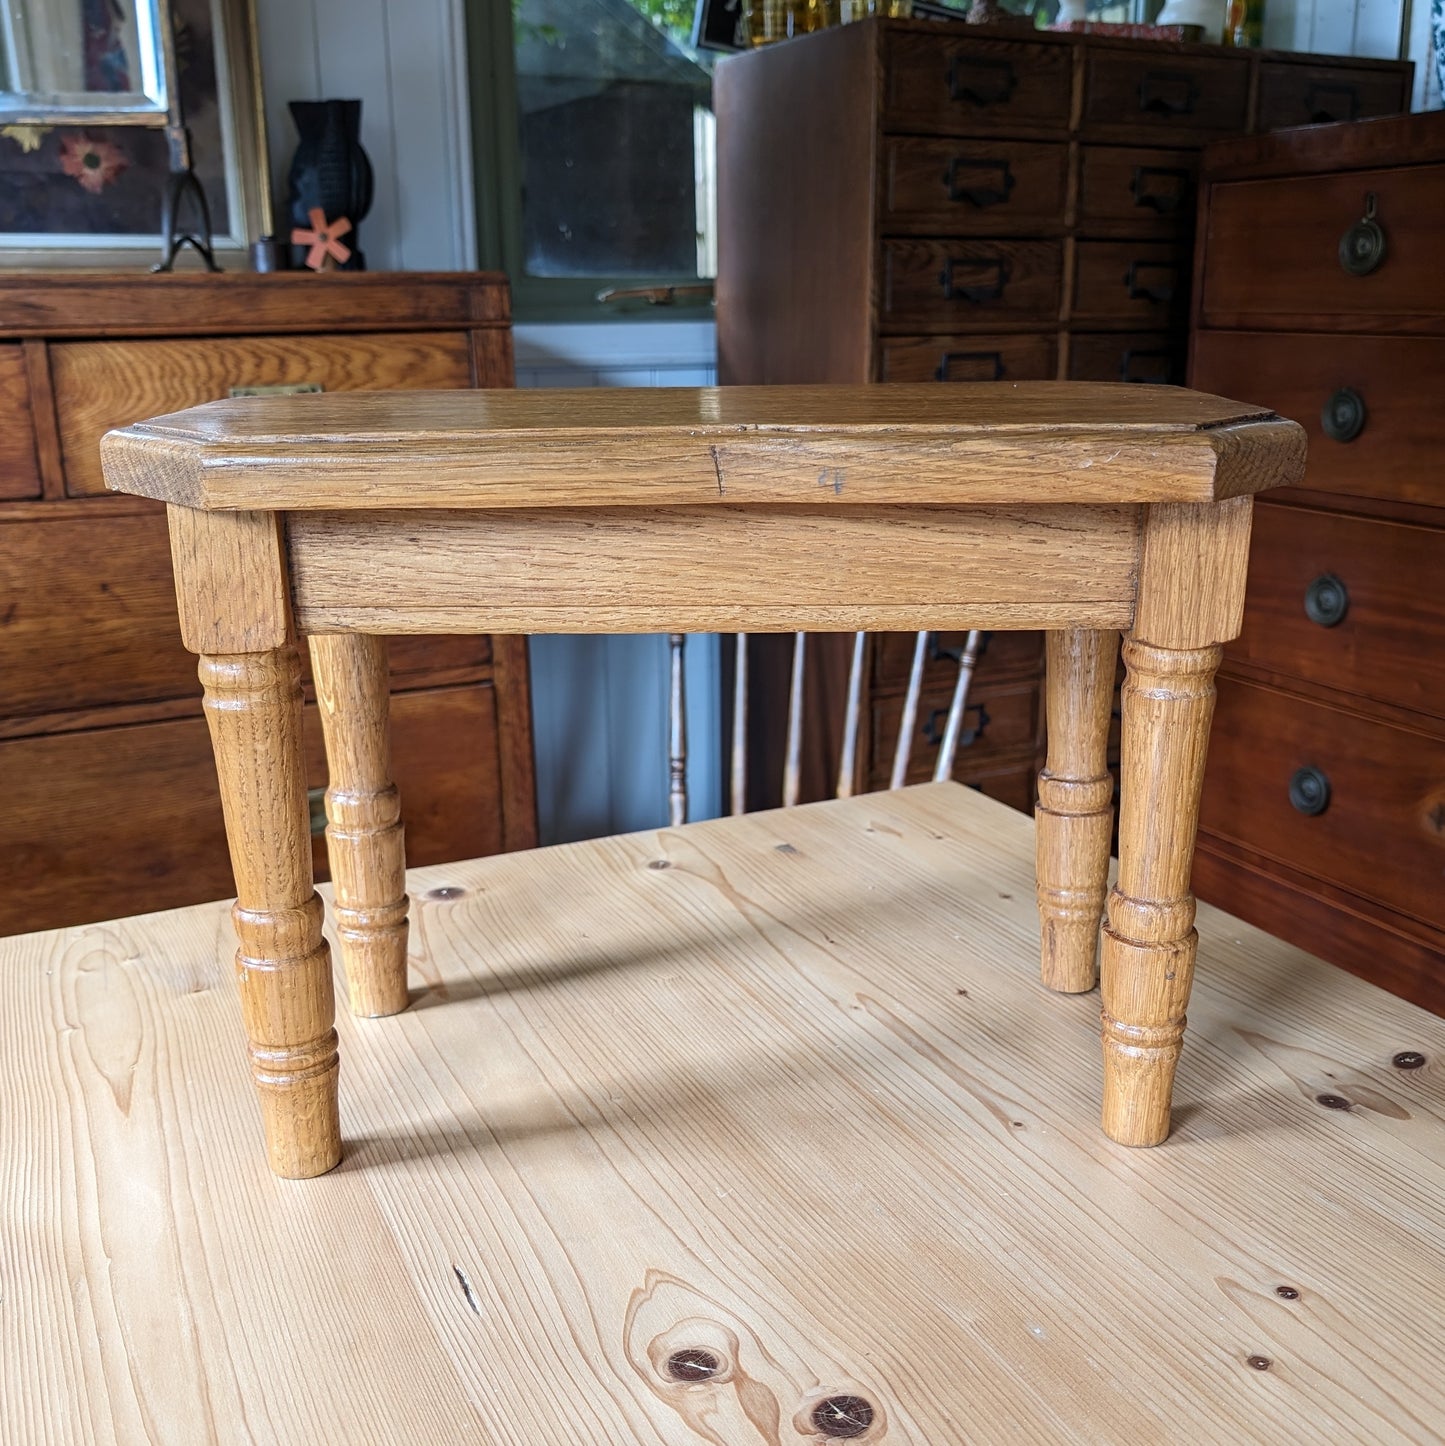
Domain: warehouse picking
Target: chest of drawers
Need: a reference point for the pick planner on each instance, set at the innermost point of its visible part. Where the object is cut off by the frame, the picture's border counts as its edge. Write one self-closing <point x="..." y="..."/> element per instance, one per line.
<point x="903" y="201"/>
<point x="108" y="795"/>
<point x="1320" y="294"/>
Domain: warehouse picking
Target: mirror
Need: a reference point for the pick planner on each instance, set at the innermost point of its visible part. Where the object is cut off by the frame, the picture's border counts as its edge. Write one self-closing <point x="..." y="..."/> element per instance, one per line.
<point x="85" y="62"/>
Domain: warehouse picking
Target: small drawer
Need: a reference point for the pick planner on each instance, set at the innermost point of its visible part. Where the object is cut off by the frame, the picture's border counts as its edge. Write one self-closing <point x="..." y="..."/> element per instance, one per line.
<point x="1357" y="803"/>
<point x="1124" y="191"/>
<point x="1152" y="357"/>
<point x="1347" y="602"/>
<point x="19" y="469"/>
<point x="100" y="385"/>
<point x="1000" y="720"/>
<point x="1308" y="95"/>
<point x="973" y="187"/>
<point x="1326" y="251"/>
<point x="943" y="86"/>
<point x="117" y="821"/>
<point x="1371" y="405"/>
<point x="1140" y="281"/>
<point x="947" y="285"/>
<point x="1129" y="94"/>
<point x="1000" y="655"/>
<point x="967" y="358"/>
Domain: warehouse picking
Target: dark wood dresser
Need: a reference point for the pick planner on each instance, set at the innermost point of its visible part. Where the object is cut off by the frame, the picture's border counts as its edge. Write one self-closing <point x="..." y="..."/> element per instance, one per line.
<point x="110" y="803"/>
<point x="912" y="201"/>
<point x="1321" y="294"/>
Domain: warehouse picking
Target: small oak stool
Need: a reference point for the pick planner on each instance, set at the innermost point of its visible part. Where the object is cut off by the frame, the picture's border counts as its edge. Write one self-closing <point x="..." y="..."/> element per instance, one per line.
<point x="1079" y="508"/>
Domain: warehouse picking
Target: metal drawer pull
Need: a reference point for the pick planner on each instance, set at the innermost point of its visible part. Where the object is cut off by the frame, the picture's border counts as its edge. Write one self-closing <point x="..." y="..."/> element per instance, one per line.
<point x="938" y="720"/>
<point x="980" y="80"/>
<point x="1362" y="247"/>
<point x="1309" y="791"/>
<point x="1163" y="199"/>
<point x="1343" y="416"/>
<point x="1327" y="600"/>
<point x="1168" y="92"/>
<point x="316" y="807"/>
<point x="991" y="363"/>
<point x="975" y="195"/>
<point x="1332" y="101"/>
<point x="1140" y="291"/>
<point x="981" y="291"/>
<point x="1161" y="376"/>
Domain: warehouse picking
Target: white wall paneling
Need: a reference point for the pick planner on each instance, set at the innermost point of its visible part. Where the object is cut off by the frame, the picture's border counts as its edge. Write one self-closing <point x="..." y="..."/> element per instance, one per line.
<point x="405" y="60"/>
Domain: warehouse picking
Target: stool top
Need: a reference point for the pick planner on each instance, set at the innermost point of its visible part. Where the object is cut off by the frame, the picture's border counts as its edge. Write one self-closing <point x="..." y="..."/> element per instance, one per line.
<point x="987" y="442"/>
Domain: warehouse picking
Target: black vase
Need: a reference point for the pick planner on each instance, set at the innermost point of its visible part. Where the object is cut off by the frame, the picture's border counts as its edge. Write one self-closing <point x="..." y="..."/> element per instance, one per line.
<point x="329" y="171"/>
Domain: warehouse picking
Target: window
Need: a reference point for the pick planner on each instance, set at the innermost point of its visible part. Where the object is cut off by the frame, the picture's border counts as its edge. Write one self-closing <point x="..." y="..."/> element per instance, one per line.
<point x="595" y="148"/>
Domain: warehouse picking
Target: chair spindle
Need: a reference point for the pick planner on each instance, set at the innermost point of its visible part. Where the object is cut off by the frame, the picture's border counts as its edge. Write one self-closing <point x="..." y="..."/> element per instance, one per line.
<point x="848" y="758"/>
<point x="948" y="749"/>
<point x="906" y="724"/>
<point x="793" y="768"/>
<point x="677" y="734"/>
<point x="740" y="727"/>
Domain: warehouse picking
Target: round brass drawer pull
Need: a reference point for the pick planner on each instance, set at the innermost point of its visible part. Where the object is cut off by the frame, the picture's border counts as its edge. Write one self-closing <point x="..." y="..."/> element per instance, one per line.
<point x="1309" y="791"/>
<point x="1362" y="247"/>
<point x="1327" y="600"/>
<point x="1343" y="416"/>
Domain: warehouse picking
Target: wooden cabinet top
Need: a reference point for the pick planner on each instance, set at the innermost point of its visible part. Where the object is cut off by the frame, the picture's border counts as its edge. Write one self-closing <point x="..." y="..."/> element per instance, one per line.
<point x="58" y="304"/>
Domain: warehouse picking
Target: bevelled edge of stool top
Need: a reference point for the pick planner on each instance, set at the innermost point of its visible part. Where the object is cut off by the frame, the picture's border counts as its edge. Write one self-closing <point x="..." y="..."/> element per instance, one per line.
<point x="927" y="445"/>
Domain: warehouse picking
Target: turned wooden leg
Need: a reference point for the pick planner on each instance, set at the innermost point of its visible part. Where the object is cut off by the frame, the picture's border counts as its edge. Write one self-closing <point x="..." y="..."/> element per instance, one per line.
<point x="363" y="819"/>
<point x="1149" y="940"/>
<point x="1075" y="810"/>
<point x="253" y="707"/>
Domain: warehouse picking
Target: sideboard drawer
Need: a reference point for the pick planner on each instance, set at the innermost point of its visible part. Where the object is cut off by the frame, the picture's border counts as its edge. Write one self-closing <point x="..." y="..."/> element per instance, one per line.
<point x="973" y="187"/>
<point x="1381" y="830"/>
<point x="942" y="86"/>
<point x="19" y="470"/>
<point x="1279" y="248"/>
<point x="1000" y="720"/>
<point x="1001" y="654"/>
<point x="1156" y="357"/>
<point x="100" y="385"/>
<point x="1190" y="96"/>
<point x="1144" y="282"/>
<point x="1309" y="95"/>
<point x="974" y="358"/>
<point x="98" y="820"/>
<point x="947" y="285"/>
<point x="1128" y="191"/>
<point x="1348" y="602"/>
<point x="1386" y="424"/>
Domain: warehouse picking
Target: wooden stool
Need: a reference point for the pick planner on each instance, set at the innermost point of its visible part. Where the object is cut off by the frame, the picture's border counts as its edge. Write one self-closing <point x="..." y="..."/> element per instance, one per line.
<point x="1083" y="509"/>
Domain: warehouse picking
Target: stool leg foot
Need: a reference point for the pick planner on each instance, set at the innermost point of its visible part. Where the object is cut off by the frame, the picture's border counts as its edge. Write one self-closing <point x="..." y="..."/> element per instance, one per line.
<point x="363" y="810"/>
<point x="1075" y="812"/>
<point x="1149" y="940"/>
<point x="253" y="708"/>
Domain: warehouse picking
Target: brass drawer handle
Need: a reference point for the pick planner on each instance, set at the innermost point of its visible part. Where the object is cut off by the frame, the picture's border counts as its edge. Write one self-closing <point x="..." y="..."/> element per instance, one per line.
<point x="1164" y="199"/>
<point x="1362" y="247"/>
<point x="978" y="195"/>
<point x="1309" y="791"/>
<point x="1168" y="92"/>
<point x="316" y="805"/>
<point x="980" y="80"/>
<point x="1327" y="600"/>
<point x="938" y="721"/>
<point x="983" y="290"/>
<point x="1140" y="290"/>
<point x="992" y="362"/>
<point x="276" y="389"/>
<point x="1162" y="374"/>
<point x="1343" y="416"/>
<point x="1322" y="101"/>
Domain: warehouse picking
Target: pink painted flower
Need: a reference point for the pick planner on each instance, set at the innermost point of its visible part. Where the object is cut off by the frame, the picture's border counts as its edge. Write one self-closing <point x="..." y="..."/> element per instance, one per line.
<point x="95" y="164"/>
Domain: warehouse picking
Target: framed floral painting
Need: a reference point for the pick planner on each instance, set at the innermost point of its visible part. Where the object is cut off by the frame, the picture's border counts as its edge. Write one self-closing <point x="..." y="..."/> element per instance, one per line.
<point x="91" y="195"/>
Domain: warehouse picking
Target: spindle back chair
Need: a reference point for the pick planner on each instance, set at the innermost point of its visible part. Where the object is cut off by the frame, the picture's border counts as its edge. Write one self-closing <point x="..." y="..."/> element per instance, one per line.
<point x="1081" y="509"/>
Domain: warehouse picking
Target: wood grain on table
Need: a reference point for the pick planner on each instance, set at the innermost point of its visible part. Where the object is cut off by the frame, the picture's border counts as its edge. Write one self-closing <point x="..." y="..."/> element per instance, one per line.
<point x="784" y="1091"/>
